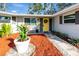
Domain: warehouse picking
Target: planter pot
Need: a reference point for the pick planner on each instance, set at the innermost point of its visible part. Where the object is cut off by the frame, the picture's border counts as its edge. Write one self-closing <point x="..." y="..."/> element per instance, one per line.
<point x="22" y="47"/>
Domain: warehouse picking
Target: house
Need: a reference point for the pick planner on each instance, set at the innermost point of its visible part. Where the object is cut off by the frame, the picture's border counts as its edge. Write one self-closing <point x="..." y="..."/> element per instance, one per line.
<point x="65" y="21"/>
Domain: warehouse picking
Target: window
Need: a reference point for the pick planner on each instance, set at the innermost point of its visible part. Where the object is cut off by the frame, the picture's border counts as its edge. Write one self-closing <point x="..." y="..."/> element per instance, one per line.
<point x="4" y="19"/>
<point x="27" y="20"/>
<point x="14" y="18"/>
<point x="69" y="18"/>
<point x="31" y="21"/>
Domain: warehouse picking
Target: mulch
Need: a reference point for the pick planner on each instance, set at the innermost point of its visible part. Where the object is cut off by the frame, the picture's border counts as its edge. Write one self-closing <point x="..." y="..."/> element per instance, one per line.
<point x="43" y="46"/>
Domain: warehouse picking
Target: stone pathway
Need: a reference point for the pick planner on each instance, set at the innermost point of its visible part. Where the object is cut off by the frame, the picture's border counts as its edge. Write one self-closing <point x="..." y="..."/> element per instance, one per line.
<point x="66" y="48"/>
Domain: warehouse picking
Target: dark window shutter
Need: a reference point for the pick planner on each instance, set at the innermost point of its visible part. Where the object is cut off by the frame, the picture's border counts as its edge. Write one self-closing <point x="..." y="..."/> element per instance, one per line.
<point x="77" y="17"/>
<point x="60" y="19"/>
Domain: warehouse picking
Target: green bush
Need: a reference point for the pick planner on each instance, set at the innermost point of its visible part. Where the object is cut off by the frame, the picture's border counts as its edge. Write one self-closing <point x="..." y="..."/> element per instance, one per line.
<point x="61" y="35"/>
<point x="74" y="41"/>
<point x="65" y="37"/>
<point x="1" y="33"/>
<point x="6" y="29"/>
<point x="23" y="32"/>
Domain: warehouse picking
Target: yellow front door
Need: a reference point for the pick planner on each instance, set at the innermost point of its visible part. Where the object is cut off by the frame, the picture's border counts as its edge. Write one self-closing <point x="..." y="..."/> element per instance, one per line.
<point x="45" y="24"/>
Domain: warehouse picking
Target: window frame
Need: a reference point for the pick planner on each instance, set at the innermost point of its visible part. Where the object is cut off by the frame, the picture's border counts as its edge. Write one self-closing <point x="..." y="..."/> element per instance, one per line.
<point x="69" y="19"/>
<point x="30" y="21"/>
<point x="4" y="20"/>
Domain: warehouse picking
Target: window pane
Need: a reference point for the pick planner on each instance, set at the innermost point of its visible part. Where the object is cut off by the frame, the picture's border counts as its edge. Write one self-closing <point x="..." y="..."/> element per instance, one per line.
<point x="33" y="21"/>
<point x="72" y="16"/>
<point x="69" y="21"/>
<point x="69" y="18"/>
<point x="4" y="19"/>
<point x="27" y="20"/>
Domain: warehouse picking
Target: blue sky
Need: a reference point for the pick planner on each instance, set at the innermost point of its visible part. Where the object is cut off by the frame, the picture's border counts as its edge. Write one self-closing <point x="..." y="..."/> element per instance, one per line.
<point x="20" y="8"/>
<point x="17" y="7"/>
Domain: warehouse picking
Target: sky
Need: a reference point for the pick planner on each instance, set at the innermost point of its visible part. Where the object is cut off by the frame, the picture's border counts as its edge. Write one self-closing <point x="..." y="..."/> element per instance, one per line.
<point x="17" y="7"/>
<point x="20" y="8"/>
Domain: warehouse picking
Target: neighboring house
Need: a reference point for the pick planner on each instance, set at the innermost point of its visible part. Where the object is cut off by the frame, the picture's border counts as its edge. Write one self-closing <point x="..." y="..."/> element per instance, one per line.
<point x="65" y="21"/>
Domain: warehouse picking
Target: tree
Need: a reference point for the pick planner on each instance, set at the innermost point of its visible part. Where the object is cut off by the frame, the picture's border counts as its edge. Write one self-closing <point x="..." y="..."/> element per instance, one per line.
<point x="35" y="8"/>
<point x="41" y="8"/>
<point x="64" y="5"/>
<point x="2" y="6"/>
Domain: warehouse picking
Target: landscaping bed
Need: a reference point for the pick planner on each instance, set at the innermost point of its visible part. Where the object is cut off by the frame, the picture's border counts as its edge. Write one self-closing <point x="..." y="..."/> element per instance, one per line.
<point x="73" y="41"/>
<point x="6" y="43"/>
<point x="43" y="46"/>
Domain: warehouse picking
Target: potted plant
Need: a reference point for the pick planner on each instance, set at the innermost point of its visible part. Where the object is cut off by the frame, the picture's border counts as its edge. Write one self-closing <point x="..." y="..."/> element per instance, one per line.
<point x="22" y="42"/>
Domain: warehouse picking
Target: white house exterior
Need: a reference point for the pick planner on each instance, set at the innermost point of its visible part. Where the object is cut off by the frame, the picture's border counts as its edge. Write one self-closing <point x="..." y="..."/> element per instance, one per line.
<point x="71" y="28"/>
<point x="68" y="24"/>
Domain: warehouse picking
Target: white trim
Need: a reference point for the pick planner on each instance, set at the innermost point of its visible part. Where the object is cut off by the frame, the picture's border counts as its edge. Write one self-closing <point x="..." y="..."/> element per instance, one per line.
<point x="68" y="9"/>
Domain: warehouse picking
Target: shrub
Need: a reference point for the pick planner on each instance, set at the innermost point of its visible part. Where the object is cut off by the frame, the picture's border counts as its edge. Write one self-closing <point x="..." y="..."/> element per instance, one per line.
<point x="6" y="29"/>
<point x="61" y="35"/>
<point x="65" y="37"/>
<point x="1" y="33"/>
<point x="74" y="41"/>
<point x="23" y="32"/>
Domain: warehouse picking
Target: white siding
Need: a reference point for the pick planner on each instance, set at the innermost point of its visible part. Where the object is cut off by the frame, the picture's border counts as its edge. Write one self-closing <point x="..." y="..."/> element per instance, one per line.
<point x="19" y="20"/>
<point x="71" y="29"/>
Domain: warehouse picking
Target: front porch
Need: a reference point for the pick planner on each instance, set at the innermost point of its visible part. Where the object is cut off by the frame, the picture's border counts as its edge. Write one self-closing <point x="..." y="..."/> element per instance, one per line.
<point x="35" y="24"/>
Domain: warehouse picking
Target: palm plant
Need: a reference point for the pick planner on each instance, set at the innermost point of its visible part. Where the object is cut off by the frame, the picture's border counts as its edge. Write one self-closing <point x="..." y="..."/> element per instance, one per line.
<point x="23" y="32"/>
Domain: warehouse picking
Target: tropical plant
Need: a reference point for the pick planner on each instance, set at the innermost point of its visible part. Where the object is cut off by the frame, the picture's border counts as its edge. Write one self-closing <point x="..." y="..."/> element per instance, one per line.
<point x="6" y="29"/>
<point x="23" y="32"/>
<point x="1" y="33"/>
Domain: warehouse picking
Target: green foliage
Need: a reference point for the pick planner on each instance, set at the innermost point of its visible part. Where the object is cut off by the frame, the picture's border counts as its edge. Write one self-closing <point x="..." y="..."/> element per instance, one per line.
<point x="1" y="33"/>
<point x="64" y="5"/>
<point x="41" y="8"/>
<point x="5" y="30"/>
<point x="74" y="41"/>
<point x="23" y="32"/>
<point x="61" y="35"/>
<point x="65" y="37"/>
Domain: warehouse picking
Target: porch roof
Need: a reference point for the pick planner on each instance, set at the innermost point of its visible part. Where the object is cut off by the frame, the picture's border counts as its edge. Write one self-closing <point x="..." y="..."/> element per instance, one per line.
<point x="27" y="15"/>
<point x="68" y="9"/>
